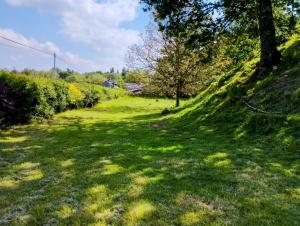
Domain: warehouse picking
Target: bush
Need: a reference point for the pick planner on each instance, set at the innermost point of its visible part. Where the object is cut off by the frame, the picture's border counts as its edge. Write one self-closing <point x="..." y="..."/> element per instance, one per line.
<point x="91" y="94"/>
<point x="23" y="97"/>
<point x="75" y="96"/>
<point x="18" y="96"/>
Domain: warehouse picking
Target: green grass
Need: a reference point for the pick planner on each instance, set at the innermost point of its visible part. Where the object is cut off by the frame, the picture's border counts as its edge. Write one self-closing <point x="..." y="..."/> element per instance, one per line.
<point x="224" y="105"/>
<point x="121" y="163"/>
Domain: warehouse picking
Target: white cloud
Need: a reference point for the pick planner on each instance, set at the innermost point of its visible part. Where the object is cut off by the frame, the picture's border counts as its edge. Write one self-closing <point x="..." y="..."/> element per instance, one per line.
<point x="96" y="23"/>
<point x="16" y="56"/>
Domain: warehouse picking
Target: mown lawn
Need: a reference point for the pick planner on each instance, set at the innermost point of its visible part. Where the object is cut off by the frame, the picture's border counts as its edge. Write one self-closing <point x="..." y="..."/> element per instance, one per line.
<point x="121" y="163"/>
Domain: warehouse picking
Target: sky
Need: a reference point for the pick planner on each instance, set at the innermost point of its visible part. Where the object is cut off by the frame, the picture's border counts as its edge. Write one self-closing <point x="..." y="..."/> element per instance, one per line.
<point x="86" y="35"/>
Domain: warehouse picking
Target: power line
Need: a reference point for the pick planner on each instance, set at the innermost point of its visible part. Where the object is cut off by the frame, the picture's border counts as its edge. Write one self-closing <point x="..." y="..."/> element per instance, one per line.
<point x="8" y="45"/>
<point x="36" y="49"/>
<point x="24" y="45"/>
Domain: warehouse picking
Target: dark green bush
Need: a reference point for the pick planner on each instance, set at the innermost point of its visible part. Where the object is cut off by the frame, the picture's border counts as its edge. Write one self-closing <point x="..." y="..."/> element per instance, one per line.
<point x="60" y="102"/>
<point x="18" y="98"/>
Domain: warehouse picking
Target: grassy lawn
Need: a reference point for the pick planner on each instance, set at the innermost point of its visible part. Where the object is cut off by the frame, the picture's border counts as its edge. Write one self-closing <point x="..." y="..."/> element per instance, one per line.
<point x="120" y="163"/>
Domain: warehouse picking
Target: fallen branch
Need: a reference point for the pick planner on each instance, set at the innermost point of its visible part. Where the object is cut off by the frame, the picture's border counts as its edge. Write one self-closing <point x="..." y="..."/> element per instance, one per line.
<point x="259" y="110"/>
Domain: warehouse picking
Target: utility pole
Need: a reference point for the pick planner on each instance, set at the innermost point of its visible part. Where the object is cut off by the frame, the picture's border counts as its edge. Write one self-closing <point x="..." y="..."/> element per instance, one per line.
<point x="54" y="55"/>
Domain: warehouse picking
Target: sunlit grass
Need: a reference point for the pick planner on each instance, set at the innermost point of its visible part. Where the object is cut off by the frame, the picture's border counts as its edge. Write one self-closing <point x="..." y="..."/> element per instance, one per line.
<point x="122" y="163"/>
<point x="8" y="182"/>
<point x="139" y="211"/>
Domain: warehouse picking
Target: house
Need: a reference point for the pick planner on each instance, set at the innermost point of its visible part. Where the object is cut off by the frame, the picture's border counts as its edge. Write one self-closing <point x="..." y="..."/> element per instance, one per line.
<point x="133" y="87"/>
<point x="110" y="84"/>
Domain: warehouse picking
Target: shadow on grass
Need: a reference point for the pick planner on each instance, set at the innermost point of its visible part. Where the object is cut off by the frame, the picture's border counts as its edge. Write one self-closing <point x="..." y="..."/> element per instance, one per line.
<point x="142" y="171"/>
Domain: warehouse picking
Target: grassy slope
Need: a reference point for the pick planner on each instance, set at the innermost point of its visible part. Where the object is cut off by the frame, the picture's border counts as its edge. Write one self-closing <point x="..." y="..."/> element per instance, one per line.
<point x="121" y="164"/>
<point x="226" y="104"/>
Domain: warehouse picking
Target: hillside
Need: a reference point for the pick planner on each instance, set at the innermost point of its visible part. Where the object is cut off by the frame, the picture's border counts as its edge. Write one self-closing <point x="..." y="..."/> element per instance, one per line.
<point x="239" y="105"/>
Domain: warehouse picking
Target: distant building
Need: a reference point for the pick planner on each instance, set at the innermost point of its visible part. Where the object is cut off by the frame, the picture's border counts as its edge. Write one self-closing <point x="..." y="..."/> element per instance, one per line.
<point x="133" y="87"/>
<point x="110" y="84"/>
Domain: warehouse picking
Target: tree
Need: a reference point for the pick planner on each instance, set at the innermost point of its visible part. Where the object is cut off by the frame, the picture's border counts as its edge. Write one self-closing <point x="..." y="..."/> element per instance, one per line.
<point x="147" y="54"/>
<point x="123" y="73"/>
<point x="203" y="21"/>
<point x="177" y="71"/>
<point x="137" y="76"/>
<point x="173" y="67"/>
<point x="65" y="74"/>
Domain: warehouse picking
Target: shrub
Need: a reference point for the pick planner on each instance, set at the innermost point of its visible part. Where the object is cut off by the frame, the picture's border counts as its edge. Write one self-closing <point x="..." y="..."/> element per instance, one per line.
<point x="62" y="96"/>
<point x="24" y="97"/>
<point x="18" y="97"/>
<point x="75" y="96"/>
<point x="90" y="93"/>
<point x="47" y="98"/>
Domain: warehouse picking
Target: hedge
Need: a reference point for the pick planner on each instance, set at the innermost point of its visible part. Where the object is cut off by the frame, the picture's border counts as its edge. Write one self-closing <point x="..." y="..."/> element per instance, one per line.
<point x="23" y="98"/>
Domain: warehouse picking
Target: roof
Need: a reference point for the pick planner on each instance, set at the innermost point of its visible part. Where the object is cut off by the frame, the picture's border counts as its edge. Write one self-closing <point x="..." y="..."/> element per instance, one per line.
<point x="110" y="83"/>
<point x="133" y="87"/>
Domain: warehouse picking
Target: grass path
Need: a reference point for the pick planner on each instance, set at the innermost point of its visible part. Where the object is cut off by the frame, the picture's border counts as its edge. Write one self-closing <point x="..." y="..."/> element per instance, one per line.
<point x="121" y="164"/>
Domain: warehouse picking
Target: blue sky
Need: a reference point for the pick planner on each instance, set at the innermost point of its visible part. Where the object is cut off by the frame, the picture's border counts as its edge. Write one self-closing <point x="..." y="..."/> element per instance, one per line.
<point x="88" y="35"/>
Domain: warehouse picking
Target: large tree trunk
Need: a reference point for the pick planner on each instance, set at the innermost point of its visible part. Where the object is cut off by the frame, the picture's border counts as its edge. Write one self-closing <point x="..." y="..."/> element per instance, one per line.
<point x="269" y="54"/>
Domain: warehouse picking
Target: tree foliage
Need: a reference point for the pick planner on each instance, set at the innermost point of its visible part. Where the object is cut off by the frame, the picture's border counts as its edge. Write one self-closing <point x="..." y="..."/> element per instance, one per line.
<point x="177" y="71"/>
<point x="202" y="22"/>
<point x="174" y="69"/>
<point x="137" y="76"/>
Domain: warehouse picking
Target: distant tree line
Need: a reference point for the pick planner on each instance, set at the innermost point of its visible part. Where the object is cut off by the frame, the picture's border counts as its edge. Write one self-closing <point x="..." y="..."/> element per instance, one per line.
<point x="98" y="77"/>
